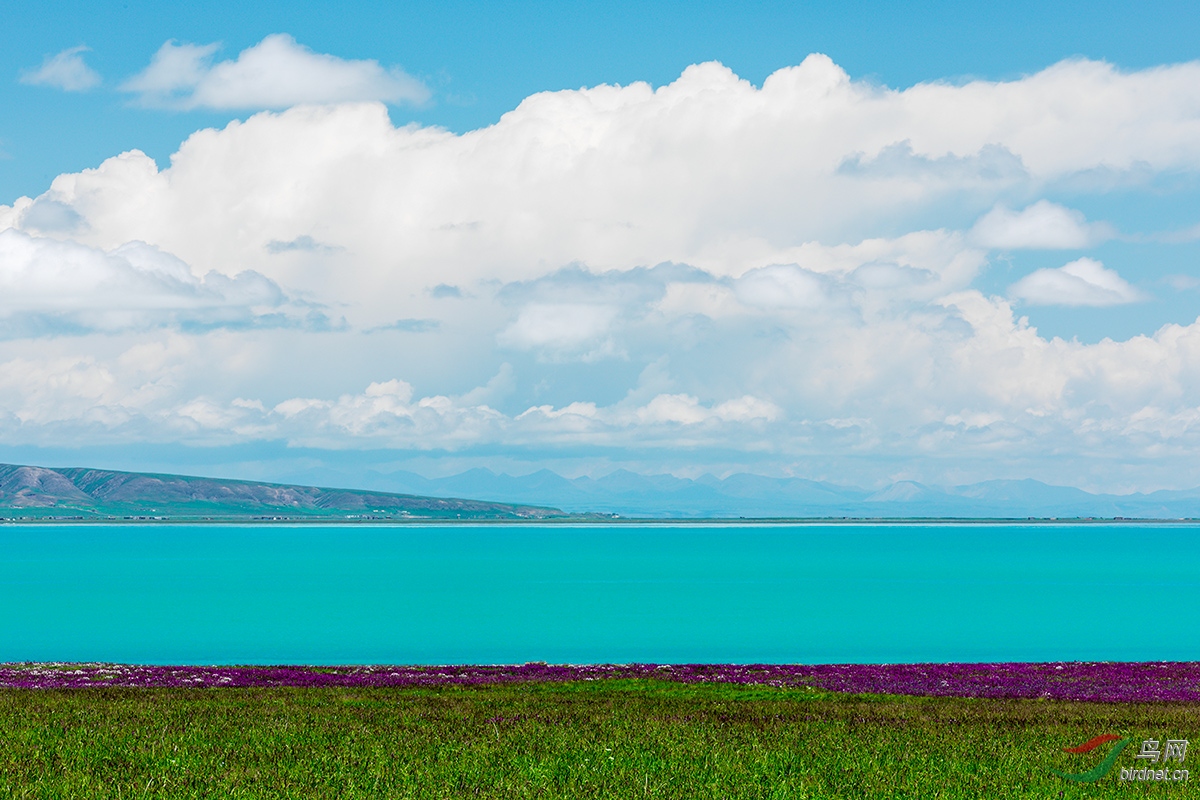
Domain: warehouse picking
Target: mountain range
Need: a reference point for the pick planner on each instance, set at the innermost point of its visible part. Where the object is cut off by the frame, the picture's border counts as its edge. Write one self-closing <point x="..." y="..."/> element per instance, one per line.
<point x="27" y="491"/>
<point x="745" y="495"/>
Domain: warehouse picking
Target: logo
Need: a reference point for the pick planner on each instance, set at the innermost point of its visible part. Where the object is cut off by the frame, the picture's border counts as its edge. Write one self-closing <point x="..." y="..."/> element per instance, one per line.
<point x="1101" y="769"/>
<point x="1151" y="751"/>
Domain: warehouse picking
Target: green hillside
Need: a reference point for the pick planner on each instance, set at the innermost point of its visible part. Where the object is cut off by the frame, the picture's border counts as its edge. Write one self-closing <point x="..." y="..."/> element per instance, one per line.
<point x="42" y="493"/>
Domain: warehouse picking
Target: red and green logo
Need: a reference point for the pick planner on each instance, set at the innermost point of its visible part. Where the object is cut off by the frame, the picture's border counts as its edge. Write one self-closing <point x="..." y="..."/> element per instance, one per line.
<point x="1104" y="767"/>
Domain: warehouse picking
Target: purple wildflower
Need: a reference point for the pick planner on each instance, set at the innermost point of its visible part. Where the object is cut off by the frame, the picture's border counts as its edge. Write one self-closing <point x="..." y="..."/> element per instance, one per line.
<point x="1091" y="681"/>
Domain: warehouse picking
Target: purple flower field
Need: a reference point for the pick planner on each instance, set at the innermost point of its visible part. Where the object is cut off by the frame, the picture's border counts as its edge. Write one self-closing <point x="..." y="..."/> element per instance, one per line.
<point x="1090" y="681"/>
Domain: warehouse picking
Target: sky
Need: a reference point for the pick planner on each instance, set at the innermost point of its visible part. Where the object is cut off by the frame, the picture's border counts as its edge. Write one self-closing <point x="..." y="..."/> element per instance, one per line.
<point x="851" y="242"/>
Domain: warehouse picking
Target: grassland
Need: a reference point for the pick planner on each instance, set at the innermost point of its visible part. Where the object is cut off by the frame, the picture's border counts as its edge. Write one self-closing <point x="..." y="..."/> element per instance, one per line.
<point x="579" y="739"/>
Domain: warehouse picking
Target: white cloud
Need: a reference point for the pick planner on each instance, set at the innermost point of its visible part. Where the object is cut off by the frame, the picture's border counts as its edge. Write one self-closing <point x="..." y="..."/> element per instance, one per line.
<point x="562" y="329"/>
<point x="708" y="171"/>
<point x="49" y="286"/>
<point x="777" y="272"/>
<point x="174" y="70"/>
<point x="781" y="287"/>
<point x="386" y="413"/>
<point x="66" y="70"/>
<point x="1041" y="226"/>
<point x="961" y="379"/>
<point x="1083" y="282"/>
<point x="687" y="410"/>
<point x="62" y="389"/>
<point x="1182" y="283"/>
<point x="275" y="73"/>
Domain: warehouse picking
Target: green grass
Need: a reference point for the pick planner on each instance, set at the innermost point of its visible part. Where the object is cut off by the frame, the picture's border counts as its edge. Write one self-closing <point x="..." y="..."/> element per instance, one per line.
<point x="604" y="739"/>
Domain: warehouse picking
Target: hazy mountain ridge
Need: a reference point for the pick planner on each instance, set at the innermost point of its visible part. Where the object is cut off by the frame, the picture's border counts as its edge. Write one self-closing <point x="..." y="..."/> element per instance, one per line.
<point x="42" y="492"/>
<point x="747" y="495"/>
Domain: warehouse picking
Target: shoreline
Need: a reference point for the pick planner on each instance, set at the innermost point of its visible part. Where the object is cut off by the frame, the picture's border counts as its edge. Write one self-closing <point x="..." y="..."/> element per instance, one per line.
<point x="1146" y="681"/>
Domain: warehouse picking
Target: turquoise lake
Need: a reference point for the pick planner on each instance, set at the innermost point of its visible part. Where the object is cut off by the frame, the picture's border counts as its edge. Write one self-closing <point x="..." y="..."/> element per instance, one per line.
<point x="323" y="594"/>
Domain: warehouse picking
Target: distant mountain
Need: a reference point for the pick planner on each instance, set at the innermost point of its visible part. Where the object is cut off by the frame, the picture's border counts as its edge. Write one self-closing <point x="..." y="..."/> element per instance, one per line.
<point x="39" y="492"/>
<point x="744" y="495"/>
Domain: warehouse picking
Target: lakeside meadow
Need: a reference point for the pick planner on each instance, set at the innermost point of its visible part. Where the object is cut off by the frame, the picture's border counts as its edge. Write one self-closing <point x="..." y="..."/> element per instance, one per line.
<point x="544" y="731"/>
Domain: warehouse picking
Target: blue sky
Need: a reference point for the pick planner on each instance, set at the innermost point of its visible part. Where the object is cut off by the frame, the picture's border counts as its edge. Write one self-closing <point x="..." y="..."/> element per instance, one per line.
<point x="959" y="243"/>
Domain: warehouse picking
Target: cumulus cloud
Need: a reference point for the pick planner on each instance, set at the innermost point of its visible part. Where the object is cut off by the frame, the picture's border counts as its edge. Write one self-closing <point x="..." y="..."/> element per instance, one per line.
<point x="55" y="287"/>
<point x="781" y="287"/>
<point x="1083" y="282"/>
<point x="991" y="382"/>
<point x="711" y="299"/>
<point x="686" y="410"/>
<point x="389" y="412"/>
<point x="66" y="70"/>
<point x="275" y="73"/>
<point x="562" y="329"/>
<point x="961" y="378"/>
<point x="1041" y="226"/>
<point x="780" y="272"/>
<point x="708" y="170"/>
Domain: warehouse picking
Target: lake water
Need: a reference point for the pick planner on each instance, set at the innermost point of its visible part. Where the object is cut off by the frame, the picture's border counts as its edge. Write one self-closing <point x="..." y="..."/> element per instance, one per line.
<point x="210" y="594"/>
